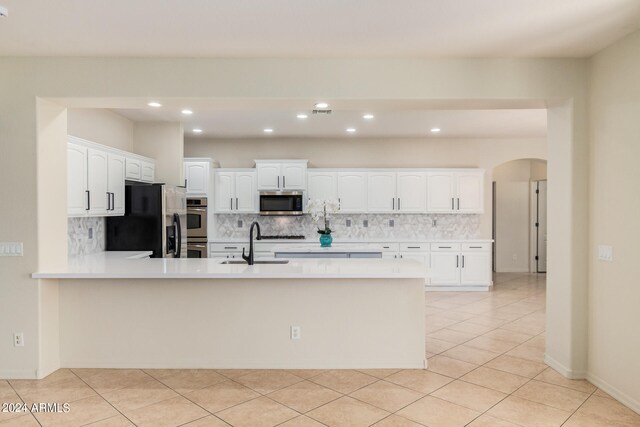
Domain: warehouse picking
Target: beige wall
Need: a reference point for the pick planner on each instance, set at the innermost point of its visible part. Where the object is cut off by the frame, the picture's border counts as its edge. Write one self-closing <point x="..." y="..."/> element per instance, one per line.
<point x="513" y="207"/>
<point x="558" y="83"/>
<point x="614" y="293"/>
<point x="102" y="126"/>
<point x="163" y="142"/>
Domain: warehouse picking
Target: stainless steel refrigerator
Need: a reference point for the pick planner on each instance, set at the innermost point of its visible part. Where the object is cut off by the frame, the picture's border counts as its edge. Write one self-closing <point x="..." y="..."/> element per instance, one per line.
<point x="155" y="220"/>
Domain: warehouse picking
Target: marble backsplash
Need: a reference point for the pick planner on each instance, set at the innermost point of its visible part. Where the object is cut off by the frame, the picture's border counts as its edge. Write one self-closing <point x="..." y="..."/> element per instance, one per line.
<point x="85" y="235"/>
<point x="378" y="226"/>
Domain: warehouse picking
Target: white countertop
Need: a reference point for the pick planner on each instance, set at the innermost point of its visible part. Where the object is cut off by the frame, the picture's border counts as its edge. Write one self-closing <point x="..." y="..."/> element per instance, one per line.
<point x="354" y="241"/>
<point x="120" y="265"/>
<point x="311" y="248"/>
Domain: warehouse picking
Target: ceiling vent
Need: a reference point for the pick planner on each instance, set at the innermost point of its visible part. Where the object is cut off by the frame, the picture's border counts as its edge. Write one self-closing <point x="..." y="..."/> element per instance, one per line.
<point x="322" y="112"/>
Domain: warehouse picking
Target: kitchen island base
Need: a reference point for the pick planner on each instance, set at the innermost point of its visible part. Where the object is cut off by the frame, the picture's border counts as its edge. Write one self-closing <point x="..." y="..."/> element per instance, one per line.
<point x="242" y="323"/>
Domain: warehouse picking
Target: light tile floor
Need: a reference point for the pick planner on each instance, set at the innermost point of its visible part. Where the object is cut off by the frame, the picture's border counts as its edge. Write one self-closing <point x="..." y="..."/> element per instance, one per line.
<point x="486" y="369"/>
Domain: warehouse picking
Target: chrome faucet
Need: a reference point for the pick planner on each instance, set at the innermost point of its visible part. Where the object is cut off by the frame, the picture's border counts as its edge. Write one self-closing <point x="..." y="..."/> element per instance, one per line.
<point x="249" y="258"/>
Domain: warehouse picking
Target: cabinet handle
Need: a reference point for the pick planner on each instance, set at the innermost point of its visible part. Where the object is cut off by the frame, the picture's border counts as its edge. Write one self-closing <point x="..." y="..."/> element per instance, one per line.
<point x="231" y="203"/>
<point x="236" y="203"/>
<point x="444" y="247"/>
<point x="457" y="261"/>
<point x="398" y="203"/>
<point x="453" y="206"/>
<point x="284" y="182"/>
<point x="393" y="203"/>
<point x="413" y="247"/>
<point x="278" y="181"/>
<point x="462" y="261"/>
<point x="108" y="201"/>
<point x="88" y="200"/>
<point x="113" y="201"/>
<point x="458" y="203"/>
<point x="231" y="247"/>
<point x="339" y="203"/>
<point x="475" y="247"/>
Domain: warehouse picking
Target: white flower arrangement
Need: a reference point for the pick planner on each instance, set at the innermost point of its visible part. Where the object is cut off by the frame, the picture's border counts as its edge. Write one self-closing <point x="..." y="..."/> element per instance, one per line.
<point x="320" y="210"/>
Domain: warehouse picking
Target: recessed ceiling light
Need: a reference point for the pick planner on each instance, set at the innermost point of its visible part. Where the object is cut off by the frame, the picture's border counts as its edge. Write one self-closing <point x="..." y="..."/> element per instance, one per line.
<point x="187" y="112"/>
<point x="268" y="130"/>
<point x="435" y="130"/>
<point x="321" y="105"/>
<point x="351" y="130"/>
<point x="302" y="116"/>
<point x="197" y="130"/>
<point x="368" y="116"/>
<point x="154" y="104"/>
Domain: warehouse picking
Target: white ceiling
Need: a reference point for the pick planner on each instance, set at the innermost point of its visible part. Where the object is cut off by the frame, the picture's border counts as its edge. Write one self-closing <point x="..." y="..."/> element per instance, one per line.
<point x="325" y="28"/>
<point x="392" y="119"/>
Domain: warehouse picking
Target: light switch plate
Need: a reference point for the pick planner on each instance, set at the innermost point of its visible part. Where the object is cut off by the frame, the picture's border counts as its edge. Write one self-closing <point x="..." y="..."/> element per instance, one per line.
<point x="348" y="223"/>
<point x="605" y="253"/>
<point x="11" y="249"/>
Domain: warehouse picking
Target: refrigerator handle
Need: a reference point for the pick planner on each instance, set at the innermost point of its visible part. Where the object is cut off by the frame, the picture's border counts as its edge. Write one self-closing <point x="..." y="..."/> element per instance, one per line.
<point x="178" y="235"/>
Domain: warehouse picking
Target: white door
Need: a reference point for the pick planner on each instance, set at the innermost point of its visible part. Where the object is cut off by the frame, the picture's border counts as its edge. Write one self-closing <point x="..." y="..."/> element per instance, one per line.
<point x="294" y="176"/>
<point x="352" y="192"/>
<point x="197" y="176"/>
<point x="224" y="191"/>
<point x="412" y="192"/>
<point x="269" y="176"/>
<point x="475" y="268"/>
<point x="97" y="162"/>
<point x="445" y="268"/>
<point x="76" y="180"/>
<point x="381" y="192"/>
<point x="246" y="193"/>
<point x="322" y="185"/>
<point x="116" y="174"/>
<point x="440" y="192"/>
<point x="470" y="197"/>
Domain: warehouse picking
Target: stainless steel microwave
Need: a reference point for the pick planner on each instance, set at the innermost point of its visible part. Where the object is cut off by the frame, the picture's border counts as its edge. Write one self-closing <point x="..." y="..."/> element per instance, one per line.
<point x="281" y="202"/>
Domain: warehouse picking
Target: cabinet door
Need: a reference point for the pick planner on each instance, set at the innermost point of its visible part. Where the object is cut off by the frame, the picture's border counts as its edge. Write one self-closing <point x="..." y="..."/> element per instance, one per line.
<point x="445" y="268"/>
<point x="97" y="165"/>
<point x="423" y="257"/>
<point x="470" y="198"/>
<point x="412" y="192"/>
<point x="294" y="176"/>
<point x="246" y="193"/>
<point x="352" y="192"/>
<point x="224" y="191"/>
<point x="148" y="172"/>
<point x="475" y="268"/>
<point x="269" y="176"/>
<point x="134" y="169"/>
<point x="322" y="185"/>
<point x="381" y="192"/>
<point x="115" y="186"/>
<point x="76" y="180"/>
<point x="389" y="255"/>
<point x="197" y="176"/>
<point x="440" y="192"/>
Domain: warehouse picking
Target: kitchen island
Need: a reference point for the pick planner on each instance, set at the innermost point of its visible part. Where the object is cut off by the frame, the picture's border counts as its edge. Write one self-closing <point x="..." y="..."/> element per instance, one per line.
<point x="116" y="312"/>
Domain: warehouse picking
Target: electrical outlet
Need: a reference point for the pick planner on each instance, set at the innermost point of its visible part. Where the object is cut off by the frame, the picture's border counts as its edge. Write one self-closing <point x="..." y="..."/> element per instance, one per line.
<point x="240" y="224"/>
<point x="514" y="257"/>
<point x="295" y="332"/>
<point x="605" y="253"/>
<point x="391" y="223"/>
<point x="90" y="233"/>
<point x="11" y="249"/>
<point x="18" y="339"/>
<point x="348" y="222"/>
<point x="365" y="223"/>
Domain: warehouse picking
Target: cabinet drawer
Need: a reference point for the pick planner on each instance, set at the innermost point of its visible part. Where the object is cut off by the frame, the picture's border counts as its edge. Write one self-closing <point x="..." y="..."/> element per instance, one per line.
<point x="445" y="247"/>
<point x="228" y="247"/>
<point x="471" y="247"/>
<point x="414" y="247"/>
<point x="387" y="247"/>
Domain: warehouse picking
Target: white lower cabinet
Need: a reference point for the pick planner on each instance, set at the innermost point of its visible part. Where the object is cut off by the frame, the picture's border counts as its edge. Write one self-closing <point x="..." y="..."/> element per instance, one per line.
<point x="445" y="268"/>
<point x="461" y="265"/>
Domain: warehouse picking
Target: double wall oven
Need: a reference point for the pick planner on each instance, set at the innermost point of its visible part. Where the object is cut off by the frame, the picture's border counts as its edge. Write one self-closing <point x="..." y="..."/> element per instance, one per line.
<point x="197" y="227"/>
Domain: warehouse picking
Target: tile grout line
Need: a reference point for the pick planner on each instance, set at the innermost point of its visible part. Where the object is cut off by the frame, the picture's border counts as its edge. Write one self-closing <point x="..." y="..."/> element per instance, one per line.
<point x="21" y="399"/>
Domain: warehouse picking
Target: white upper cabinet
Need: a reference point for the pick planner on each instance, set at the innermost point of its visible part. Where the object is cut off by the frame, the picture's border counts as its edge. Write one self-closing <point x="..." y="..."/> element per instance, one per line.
<point x="382" y="195"/>
<point x="97" y="168"/>
<point x="455" y="191"/>
<point x="134" y="169"/>
<point x="148" y="172"/>
<point x="235" y="191"/>
<point x="412" y="192"/>
<point x="278" y="175"/>
<point x="352" y="192"/>
<point x="246" y="193"/>
<point x="77" y="195"/>
<point x="196" y="174"/>
<point x="322" y="185"/>
<point x="115" y="184"/>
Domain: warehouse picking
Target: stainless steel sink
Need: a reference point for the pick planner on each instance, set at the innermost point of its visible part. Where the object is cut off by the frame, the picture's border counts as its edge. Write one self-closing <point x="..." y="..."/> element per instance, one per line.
<point x="275" y="261"/>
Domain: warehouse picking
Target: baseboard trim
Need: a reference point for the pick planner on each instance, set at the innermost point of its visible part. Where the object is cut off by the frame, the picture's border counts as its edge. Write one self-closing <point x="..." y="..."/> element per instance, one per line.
<point x="45" y="372"/>
<point x="563" y="370"/>
<point x="26" y="374"/>
<point x="614" y="392"/>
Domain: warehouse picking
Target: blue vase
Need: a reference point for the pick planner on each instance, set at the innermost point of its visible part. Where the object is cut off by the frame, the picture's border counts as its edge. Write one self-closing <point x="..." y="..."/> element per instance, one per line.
<point x="325" y="240"/>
